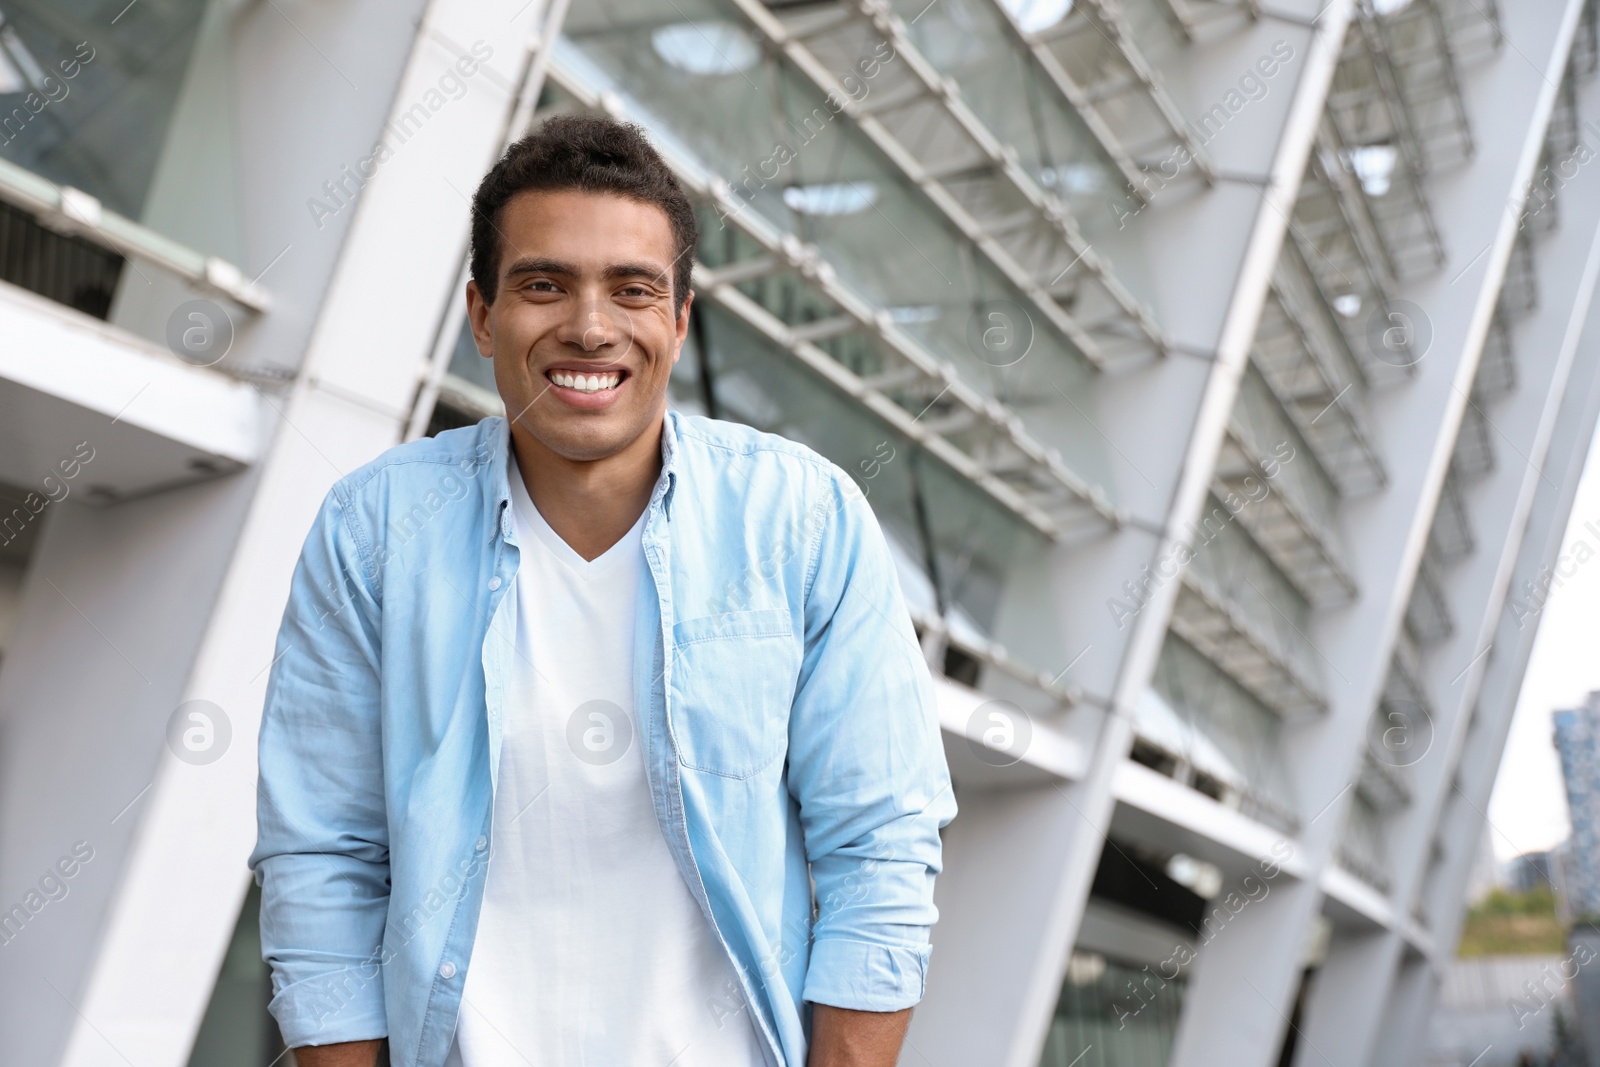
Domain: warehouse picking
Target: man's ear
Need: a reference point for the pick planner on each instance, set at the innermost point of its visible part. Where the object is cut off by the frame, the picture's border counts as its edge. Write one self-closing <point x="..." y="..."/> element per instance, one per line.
<point x="478" y="316"/>
<point x="682" y="328"/>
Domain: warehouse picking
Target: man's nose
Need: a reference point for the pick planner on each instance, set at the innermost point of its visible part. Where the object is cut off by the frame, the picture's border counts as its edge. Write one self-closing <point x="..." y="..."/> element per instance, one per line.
<point x="591" y="326"/>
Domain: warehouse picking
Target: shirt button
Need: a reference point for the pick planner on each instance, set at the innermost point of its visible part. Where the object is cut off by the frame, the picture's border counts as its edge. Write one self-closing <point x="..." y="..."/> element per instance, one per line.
<point x="481" y="844"/>
<point x="447" y="970"/>
<point x="494" y="583"/>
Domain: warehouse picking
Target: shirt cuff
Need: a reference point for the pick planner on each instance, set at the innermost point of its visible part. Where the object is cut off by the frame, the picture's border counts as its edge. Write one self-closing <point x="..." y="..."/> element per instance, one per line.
<point x="330" y="1008"/>
<point x="864" y="976"/>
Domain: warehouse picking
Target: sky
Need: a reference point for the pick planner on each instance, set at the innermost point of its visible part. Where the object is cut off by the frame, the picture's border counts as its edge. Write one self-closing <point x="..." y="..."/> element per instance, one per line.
<point x="1528" y="810"/>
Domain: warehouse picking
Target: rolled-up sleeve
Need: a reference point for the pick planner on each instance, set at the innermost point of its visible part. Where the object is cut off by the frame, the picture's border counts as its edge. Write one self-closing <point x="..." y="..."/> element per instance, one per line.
<point x="322" y="845"/>
<point x="867" y="769"/>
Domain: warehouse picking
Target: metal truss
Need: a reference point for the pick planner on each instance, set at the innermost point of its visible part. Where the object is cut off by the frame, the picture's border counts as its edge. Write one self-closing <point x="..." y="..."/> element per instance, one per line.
<point x="1561" y="136"/>
<point x="1418" y="44"/>
<point x="1370" y="115"/>
<point x="995" y="656"/>
<point x="1294" y="520"/>
<point x="1257" y="658"/>
<point x="921" y="396"/>
<point x="1496" y="378"/>
<point x="924" y="400"/>
<point x="1244" y="796"/>
<point x="919" y="121"/>
<point x="1519" y="291"/>
<point x="1541" y="211"/>
<point x="1474" y="452"/>
<point x="1092" y="56"/>
<point x="1338" y="240"/>
<point x="1382" y="784"/>
<point x="1301" y="352"/>
<point x="1450" y="538"/>
<point x="1403" y="692"/>
<point x="1240" y="603"/>
<point x="1215" y="708"/>
<point x="1473" y="27"/>
<point x="1382" y="788"/>
<point x="1427" y="617"/>
<point x="1585" y="56"/>
<point x="1195" y="16"/>
<point x="1361" y="844"/>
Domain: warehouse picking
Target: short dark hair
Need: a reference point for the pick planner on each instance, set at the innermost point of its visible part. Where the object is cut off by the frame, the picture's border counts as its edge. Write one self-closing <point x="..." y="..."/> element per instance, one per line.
<point x="591" y="154"/>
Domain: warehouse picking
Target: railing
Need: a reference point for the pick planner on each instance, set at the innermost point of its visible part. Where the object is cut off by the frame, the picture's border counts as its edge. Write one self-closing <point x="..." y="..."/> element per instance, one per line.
<point x="1496" y="378"/>
<point x="922" y="122"/>
<point x="1474" y="452"/>
<point x="75" y="213"/>
<point x="1295" y="518"/>
<point x="1450" y="536"/>
<point x="1304" y="358"/>
<point x="1378" y="143"/>
<point x="69" y="270"/>
<point x="1428" y="611"/>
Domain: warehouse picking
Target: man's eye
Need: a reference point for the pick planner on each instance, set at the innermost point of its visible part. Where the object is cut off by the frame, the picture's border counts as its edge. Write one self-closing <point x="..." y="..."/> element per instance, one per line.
<point x="541" y="286"/>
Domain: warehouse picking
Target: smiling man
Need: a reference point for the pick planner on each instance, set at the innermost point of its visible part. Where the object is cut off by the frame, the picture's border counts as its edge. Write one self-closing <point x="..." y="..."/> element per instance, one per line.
<point x="597" y="734"/>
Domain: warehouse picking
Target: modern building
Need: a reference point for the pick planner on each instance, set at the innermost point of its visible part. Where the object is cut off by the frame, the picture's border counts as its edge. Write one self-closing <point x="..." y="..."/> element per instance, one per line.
<point x="1532" y="870"/>
<point x="1222" y="372"/>
<point x="1577" y="740"/>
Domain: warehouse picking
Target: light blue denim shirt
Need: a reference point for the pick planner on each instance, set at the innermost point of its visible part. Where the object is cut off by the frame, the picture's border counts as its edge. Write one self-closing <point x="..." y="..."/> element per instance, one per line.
<point x="784" y="710"/>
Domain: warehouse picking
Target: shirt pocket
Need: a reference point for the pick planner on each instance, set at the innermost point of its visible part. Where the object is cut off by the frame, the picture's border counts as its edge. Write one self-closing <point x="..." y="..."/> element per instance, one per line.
<point x="733" y="678"/>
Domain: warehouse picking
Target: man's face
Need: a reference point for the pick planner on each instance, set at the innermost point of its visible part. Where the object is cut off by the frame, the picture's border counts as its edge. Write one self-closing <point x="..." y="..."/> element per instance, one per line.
<point x="582" y="330"/>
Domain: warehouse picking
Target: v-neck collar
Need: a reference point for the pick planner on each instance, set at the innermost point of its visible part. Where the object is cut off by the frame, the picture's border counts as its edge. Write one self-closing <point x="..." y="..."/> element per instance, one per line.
<point x="535" y="522"/>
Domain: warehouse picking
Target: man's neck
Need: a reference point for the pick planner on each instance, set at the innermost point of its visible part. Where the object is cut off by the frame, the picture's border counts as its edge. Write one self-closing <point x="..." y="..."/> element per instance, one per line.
<point x="590" y="504"/>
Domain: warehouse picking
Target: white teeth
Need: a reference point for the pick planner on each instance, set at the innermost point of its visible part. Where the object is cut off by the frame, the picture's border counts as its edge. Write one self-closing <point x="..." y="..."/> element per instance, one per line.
<point x="591" y="383"/>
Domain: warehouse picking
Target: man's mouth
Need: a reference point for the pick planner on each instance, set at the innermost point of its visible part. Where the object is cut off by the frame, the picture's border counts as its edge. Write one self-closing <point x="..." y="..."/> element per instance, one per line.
<point x="597" y="382"/>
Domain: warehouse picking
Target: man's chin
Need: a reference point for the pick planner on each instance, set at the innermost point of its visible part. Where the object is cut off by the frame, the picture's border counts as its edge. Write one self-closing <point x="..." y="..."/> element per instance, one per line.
<point x="585" y="437"/>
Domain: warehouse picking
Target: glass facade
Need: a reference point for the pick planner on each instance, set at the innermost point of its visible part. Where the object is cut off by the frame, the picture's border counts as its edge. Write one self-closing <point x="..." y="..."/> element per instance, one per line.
<point x="799" y="170"/>
<point x="1113" y="1013"/>
<point x="88" y="87"/>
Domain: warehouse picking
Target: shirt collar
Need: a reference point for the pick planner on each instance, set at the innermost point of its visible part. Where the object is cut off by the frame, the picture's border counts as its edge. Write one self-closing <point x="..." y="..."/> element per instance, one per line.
<point x="499" y="434"/>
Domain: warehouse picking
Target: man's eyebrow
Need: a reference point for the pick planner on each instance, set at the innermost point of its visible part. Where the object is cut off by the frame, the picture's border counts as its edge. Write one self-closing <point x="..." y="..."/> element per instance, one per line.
<point x="636" y="270"/>
<point x="533" y="265"/>
<point x="541" y="266"/>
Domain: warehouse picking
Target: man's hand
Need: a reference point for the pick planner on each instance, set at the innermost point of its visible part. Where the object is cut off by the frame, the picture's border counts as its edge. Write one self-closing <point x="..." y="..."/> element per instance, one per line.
<point x="841" y="1037"/>
<point x="344" y="1054"/>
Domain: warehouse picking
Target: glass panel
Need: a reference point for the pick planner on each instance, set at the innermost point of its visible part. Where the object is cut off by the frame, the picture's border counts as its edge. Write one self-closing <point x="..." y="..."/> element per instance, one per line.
<point x="86" y="103"/>
<point x="1112" y="1014"/>
<point x="754" y="383"/>
<point x="1232" y="568"/>
<point x="1361" y="846"/>
<point x="1243" y="731"/>
<point x="968" y="41"/>
<point x="695" y="77"/>
<point x="1258" y="418"/>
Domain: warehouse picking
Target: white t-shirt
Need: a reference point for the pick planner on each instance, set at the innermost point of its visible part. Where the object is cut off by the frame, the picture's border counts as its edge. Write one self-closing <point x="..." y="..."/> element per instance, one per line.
<point x="590" y="950"/>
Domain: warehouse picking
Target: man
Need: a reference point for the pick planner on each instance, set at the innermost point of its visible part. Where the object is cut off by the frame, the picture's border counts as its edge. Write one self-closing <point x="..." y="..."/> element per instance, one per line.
<point x="597" y="735"/>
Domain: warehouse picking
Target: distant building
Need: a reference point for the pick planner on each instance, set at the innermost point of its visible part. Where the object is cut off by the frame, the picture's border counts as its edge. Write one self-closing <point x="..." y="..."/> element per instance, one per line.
<point x="1577" y="739"/>
<point x="1531" y="870"/>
